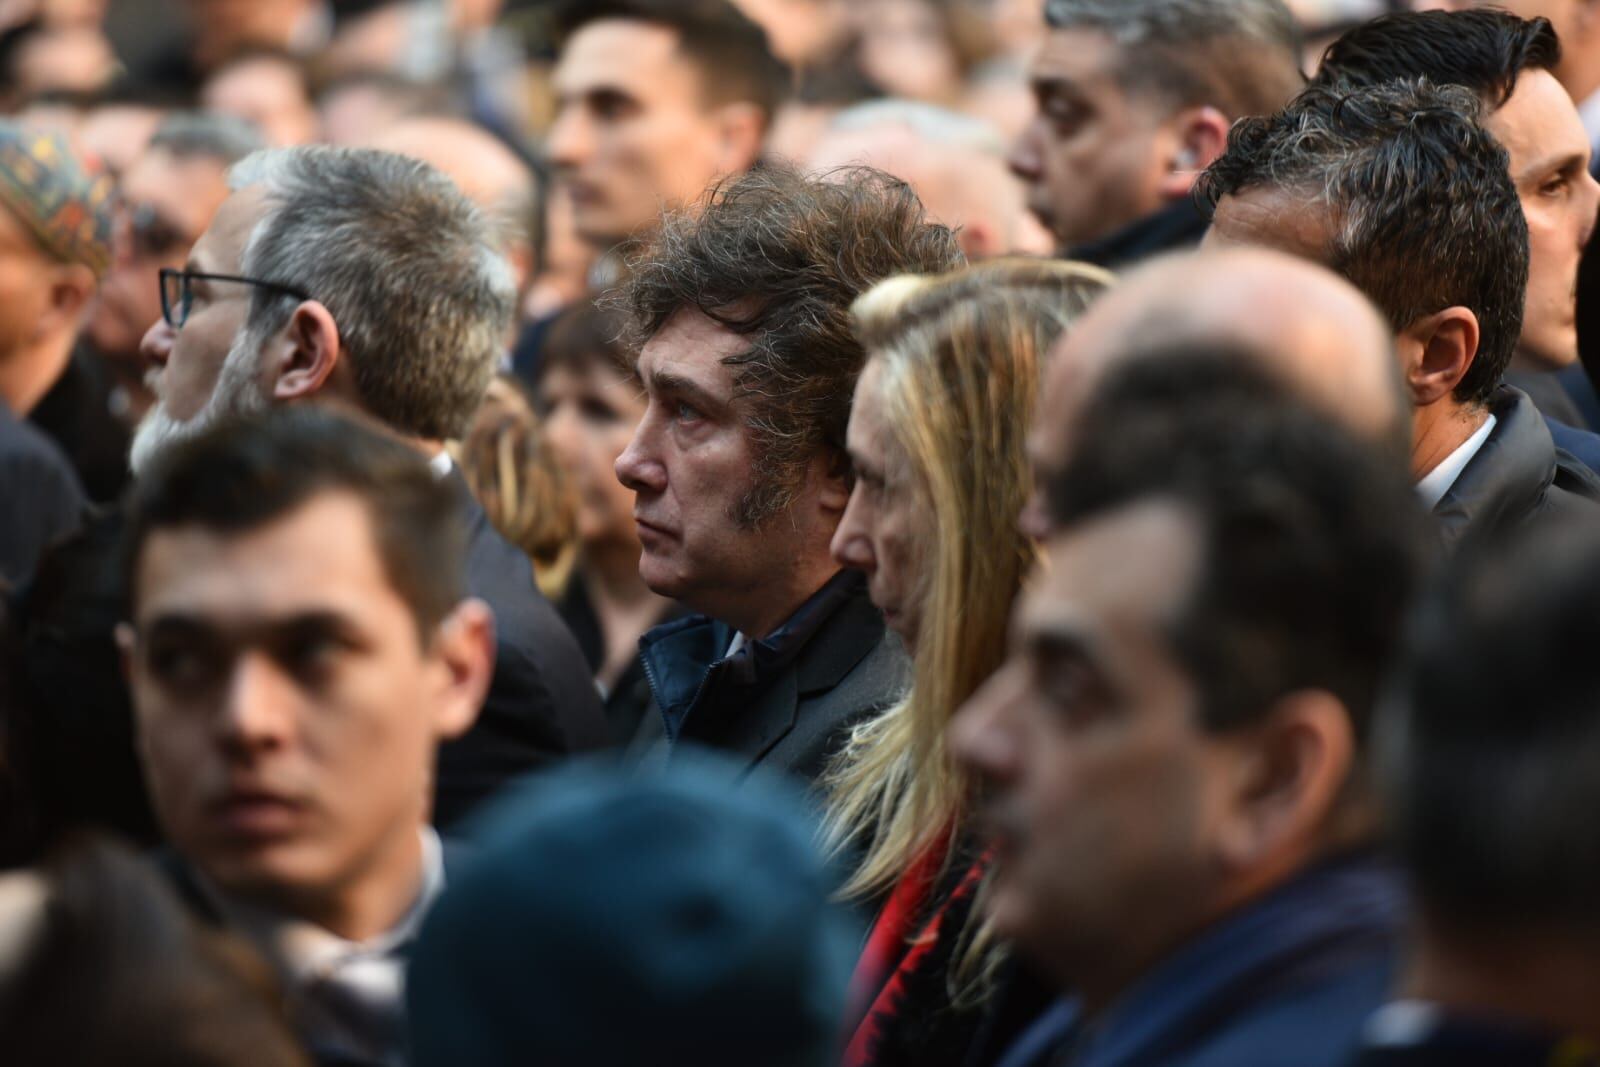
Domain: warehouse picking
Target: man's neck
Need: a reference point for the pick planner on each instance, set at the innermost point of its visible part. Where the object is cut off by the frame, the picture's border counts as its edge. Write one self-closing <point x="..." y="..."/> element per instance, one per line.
<point x="1438" y="430"/>
<point x="26" y="376"/>
<point x="778" y="604"/>
<point x="1548" y="979"/>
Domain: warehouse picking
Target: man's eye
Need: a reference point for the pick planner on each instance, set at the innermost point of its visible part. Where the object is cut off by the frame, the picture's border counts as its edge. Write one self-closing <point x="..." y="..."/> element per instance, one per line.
<point x="309" y="658"/>
<point x="1555" y="186"/>
<point x="181" y="665"/>
<point x="685" y="412"/>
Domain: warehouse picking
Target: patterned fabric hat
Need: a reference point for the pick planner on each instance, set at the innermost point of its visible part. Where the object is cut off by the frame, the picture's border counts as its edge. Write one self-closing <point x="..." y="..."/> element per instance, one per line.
<point x="54" y="192"/>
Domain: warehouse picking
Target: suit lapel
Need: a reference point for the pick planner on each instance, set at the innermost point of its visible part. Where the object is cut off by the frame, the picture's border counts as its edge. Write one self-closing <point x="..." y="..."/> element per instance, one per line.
<point x="771" y="718"/>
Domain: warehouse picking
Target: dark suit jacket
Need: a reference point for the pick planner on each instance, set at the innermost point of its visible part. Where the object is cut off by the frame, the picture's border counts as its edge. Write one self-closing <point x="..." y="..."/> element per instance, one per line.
<point x="788" y="702"/>
<point x="542" y="703"/>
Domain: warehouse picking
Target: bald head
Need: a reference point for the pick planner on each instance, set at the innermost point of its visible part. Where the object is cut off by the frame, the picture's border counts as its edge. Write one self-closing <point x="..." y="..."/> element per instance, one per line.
<point x="954" y="162"/>
<point x="490" y="174"/>
<point x="1302" y="321"/>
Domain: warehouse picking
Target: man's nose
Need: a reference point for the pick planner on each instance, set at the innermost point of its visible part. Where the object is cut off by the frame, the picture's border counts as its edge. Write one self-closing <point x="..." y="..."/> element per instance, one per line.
<point x="568" y="140"/>
<point x="638" y="468"/>
<point x="1023" y="158"/>
<point x="156" y="345"/>
<point x="978" y="735"/>
<point x="257" y="706"/>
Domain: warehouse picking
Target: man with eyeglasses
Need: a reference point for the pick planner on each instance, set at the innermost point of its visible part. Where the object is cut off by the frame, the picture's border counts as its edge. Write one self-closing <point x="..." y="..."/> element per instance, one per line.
<point x="365" y="280"/>
<point x="166" y="200"/>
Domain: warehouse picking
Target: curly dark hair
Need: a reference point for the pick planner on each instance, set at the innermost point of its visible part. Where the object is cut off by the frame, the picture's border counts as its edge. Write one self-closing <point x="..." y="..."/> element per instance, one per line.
<point x="778" y="257"/>
<point x="1422" y="210"/>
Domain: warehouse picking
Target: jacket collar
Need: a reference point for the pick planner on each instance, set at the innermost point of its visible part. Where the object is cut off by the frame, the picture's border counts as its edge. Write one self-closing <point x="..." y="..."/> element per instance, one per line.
<point x="1509" y="476"/>
<point x="687" y="658"/>
<point x="1179" y="225"/>
<point x="1337" y="909"/>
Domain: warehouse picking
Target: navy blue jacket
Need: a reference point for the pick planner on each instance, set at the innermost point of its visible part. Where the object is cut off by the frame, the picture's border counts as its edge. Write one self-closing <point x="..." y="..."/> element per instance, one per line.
<point x="1288" y="979"/>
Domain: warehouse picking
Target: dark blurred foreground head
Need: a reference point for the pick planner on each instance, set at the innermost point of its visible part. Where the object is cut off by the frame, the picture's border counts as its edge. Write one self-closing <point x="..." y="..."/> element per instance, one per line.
<point x="1174" y="748"/>
<point x="1487" y="761"/>
<point x="610" y="920"/>
<point x="100" y="964"/>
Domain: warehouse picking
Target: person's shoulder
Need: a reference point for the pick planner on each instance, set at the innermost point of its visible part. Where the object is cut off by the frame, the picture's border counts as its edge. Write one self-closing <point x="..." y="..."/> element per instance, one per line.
<point x="26" y="450"/>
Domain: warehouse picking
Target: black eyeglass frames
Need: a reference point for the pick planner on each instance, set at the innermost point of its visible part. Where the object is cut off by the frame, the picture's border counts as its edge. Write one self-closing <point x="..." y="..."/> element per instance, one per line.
<point x="177" y="294"/>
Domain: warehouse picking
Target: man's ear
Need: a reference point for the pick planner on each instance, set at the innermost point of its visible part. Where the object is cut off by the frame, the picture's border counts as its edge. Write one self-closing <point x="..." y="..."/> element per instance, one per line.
<point x="1290" y="776"/>
<point x="1437" y="351"/>
<point x="464" y="648"/>
<point x="126" y="640"/>
<point x="741" y="129"/>
<point x="1198" y="136"/>
<point x="833" y="475"/>
<point x="71" y="288"/>
<point x="305" y="354"/>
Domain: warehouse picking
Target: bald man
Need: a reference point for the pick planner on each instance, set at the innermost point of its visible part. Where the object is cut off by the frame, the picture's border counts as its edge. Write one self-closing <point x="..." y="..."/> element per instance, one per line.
<point x="488" y="172"/>
<point x="1302" y="321"/>
<point x="956" y="164"/>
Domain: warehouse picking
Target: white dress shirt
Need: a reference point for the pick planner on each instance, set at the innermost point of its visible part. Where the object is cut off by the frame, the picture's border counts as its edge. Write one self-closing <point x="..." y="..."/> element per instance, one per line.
<point x="1437" y="482"/>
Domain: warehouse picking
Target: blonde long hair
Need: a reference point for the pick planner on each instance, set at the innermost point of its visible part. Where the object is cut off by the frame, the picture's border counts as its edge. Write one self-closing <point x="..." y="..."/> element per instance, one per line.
<point x="960" y="356"/>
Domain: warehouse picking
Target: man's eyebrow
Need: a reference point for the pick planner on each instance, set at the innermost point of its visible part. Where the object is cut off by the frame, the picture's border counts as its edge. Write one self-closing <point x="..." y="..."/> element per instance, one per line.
<point x="1570" y="161"/>
<point x="667" y="382"/>
<point x="180" y="623"/>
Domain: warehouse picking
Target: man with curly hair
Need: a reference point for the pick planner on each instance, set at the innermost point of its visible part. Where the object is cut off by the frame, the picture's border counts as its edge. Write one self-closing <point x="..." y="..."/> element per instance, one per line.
<point x="748" y="364"/>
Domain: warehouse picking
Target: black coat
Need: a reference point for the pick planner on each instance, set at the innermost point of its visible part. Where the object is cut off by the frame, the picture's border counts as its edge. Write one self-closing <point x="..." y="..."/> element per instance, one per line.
<point x="1518" y="476"/>
<point x="789" y="702"/>
<point x="542" y="702"/>
<point x="41" y="500"/>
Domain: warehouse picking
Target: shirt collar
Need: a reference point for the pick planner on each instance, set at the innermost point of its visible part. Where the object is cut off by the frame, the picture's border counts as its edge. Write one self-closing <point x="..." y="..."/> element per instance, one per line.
<point x="1437" y="482"/>
<point x="304" y="951"/>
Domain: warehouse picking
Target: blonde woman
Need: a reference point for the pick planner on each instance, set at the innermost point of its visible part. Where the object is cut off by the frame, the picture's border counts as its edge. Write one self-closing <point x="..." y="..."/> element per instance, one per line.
<point x="936" y="438"/>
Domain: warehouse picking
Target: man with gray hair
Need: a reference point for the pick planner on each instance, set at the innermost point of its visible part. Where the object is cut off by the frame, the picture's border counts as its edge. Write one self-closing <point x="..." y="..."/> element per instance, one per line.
<point x="167" y="199"/>
<point x="1135" y="98"/>
<point x="1398" y="188"/>
<point x="364" y="279"/>
<point x="954" y="162"/>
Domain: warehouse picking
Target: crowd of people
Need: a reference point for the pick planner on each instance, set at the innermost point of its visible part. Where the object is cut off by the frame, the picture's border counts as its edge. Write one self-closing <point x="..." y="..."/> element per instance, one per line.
<point x="902" y="533"/>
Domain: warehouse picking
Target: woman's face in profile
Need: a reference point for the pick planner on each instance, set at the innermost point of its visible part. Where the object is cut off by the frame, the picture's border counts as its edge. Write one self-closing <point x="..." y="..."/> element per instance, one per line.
<point x="884" y="525"/>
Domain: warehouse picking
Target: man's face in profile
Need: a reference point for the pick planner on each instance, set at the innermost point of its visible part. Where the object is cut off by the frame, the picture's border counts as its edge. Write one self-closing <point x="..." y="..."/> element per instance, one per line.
<point x="634" y="134"/>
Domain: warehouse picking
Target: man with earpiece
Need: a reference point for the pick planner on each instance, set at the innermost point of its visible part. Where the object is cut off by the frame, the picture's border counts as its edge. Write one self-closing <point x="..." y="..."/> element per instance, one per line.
<point x="1135" y="98"/>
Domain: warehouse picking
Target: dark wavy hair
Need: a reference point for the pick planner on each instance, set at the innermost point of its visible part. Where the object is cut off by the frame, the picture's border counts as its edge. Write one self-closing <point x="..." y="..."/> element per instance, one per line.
<point x="779" y="257"/>
<point x="1482" y="49"/>
<point x="1422" y="210"/>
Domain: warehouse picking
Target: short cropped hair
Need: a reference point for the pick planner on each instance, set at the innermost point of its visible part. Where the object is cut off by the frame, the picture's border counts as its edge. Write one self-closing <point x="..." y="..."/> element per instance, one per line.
<point x="406" y="265"/>
<point x="206" y="135"/>
<point x="729" y="49"/>
<point x="1239" y="56"/>
<point x="1311" y="538"/>
<point x="1481" y="49"/>
<point x="1423" y="212"/>
<point x="245" y="474"/>
<point x="1487" y="751"/>
<point x="779" y="257"/>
